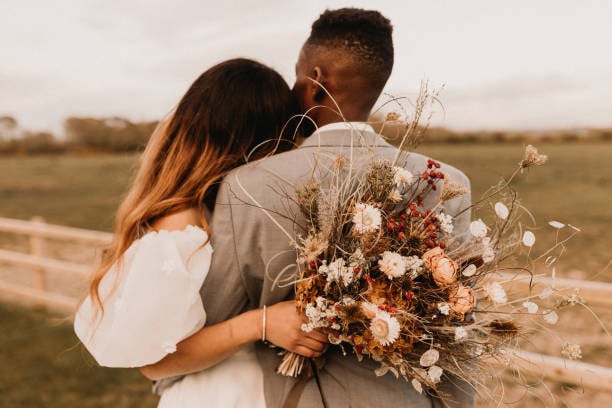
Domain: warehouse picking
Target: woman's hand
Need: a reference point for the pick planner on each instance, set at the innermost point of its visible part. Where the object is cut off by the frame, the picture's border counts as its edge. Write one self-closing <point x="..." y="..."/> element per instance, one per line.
<point x="284" y="329"/>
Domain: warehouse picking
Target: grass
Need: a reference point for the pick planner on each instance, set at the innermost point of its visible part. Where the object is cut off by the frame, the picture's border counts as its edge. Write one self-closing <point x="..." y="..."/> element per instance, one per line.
<point x="574" y="187"/>
<point x="80" y="191"/>
<point x="41" y="365"/>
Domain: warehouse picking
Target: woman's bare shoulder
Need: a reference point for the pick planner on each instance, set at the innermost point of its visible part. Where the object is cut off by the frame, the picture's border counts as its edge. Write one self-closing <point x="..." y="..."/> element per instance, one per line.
<point x="179" y="221"/>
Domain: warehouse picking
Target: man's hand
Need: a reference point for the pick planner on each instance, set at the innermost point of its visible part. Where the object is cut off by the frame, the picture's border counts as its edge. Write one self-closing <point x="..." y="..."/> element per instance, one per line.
<point x="284" y="329"/>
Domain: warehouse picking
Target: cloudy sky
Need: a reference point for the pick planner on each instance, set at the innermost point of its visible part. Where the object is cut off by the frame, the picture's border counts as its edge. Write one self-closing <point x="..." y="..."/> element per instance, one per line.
<point x="521" y="64"/>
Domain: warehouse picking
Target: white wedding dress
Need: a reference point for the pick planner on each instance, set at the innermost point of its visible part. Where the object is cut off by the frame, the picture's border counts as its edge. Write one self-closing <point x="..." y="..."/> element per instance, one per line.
<point x="151" y="302"/>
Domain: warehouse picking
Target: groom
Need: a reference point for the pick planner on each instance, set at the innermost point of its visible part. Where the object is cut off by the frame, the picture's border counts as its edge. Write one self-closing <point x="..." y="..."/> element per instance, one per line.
<point x="346" y="60"/>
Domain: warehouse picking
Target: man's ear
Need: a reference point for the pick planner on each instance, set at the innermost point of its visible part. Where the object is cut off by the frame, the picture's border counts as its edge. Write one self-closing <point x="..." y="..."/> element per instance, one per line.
<point x="318" y="91"/>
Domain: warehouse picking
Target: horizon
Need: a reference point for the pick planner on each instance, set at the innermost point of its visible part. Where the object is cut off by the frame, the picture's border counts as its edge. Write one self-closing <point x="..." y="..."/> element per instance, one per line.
<point x="522" y="66"/>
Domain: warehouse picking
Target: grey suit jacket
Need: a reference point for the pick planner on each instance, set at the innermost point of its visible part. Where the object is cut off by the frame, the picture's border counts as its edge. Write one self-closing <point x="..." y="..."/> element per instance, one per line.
<point x="251" y="250"/>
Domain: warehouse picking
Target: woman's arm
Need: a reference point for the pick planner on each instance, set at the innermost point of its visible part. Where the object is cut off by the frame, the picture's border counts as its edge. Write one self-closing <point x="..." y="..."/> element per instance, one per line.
<point x="212" y="344"/>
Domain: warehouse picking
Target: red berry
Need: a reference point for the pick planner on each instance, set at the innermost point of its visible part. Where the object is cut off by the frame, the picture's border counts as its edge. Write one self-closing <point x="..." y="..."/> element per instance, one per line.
<point x="441" y="244"/>
<point x="437" y="165"/>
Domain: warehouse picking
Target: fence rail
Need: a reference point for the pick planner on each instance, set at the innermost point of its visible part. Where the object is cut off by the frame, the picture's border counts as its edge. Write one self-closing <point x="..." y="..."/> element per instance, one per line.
<point x="39" y="232"/>
<point x="558" y="369"/>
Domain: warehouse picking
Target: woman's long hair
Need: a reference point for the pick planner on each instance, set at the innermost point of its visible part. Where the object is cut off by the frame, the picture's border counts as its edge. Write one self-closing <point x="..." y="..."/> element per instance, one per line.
<point x="235" y="110"/>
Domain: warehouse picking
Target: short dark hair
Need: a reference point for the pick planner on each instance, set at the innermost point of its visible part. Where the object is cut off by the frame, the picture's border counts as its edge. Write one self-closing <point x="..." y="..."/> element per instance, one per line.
<point x="365" y="34"/>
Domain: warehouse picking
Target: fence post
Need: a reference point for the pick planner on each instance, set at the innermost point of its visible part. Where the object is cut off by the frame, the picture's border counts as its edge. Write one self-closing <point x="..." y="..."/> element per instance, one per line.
<point x="37" y="249"/>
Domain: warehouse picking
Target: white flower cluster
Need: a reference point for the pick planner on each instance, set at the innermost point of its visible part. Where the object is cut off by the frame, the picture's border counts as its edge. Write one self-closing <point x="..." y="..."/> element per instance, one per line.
<point x="366" y="218"/>
<point x="318" y="315"/>
<point x="337" y="271"/>
<point x="414" y="265"/>
<point x="446" y="223"/>
<point x="395" y="265"/>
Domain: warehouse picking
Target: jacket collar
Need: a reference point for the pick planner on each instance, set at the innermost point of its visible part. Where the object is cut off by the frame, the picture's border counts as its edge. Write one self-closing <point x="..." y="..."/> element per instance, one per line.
<point x="357" y="134"/>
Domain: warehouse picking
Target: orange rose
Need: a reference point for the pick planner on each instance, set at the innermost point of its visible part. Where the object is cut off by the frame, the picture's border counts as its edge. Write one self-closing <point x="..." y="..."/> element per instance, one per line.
<point x="443" y="269"/>
<point x="461" y="299"/>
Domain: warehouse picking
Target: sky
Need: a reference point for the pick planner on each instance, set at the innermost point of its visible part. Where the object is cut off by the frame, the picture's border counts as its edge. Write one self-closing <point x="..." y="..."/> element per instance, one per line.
<point x="521" y="64"/>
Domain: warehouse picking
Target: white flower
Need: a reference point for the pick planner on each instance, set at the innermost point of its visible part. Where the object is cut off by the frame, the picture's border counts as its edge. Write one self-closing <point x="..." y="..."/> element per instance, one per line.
<point x="337" y="271"/>
<point x="550" y="317"/>
<point x="318" y="314"/>
<point x="545" y="294"/>
<point x="446" y="223"/>
<point x="444" y="308"/>
<point x="571" y="351"/>
<point x="395" y="196"/>
<point x="414" y="264"/>
<point x="429" y="358"/>
<point x="469" y="270"/>
<point x="495" y="292"/>
<point x="385" y="328"/>
<point x="556" y="224"/>
<point x="366" y="218"/>
<point x="435" y="373"/>
<point x="528" y="239"/>
<point x="402" y="177"/>
<point x="417" y="385"/>
<point x="531" y="307"/>
<point x="501" y="210"/>
<point x="460" y="333"/>
<point x="392" y="264"/>
<point x="478" y="229"/>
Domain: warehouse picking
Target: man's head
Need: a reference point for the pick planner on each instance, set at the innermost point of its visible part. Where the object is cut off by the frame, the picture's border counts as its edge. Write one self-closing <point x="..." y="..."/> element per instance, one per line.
<point x="347" y="60"/>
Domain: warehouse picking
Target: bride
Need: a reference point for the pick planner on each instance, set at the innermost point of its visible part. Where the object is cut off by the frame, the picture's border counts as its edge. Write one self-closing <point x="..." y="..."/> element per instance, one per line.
<point x="144" y="307"/>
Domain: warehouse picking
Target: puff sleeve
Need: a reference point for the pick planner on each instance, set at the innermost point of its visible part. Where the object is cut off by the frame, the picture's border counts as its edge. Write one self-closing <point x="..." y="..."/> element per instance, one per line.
<point x="151" y="300"/>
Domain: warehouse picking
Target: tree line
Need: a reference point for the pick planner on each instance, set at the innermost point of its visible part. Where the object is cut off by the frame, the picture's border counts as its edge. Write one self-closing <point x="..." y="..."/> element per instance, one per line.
<point x="81" y="134"/>
<point x="116" y="134"/>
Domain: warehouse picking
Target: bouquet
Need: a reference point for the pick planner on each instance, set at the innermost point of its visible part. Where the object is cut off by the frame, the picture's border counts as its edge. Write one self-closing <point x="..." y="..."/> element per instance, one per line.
<point x="391" y="279"/>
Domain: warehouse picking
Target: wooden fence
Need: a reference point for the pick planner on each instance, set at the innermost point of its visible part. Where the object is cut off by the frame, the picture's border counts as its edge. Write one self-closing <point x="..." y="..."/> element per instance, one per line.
<point x="594" y="293"/>
<point x="40" y="262"/>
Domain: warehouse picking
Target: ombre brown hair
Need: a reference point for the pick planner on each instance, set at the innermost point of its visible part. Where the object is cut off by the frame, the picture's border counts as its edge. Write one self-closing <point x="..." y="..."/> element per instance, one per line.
<point x="234" y="111"/>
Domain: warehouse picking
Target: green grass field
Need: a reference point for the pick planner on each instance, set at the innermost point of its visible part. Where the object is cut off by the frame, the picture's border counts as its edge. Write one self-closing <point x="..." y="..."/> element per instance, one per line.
<point x="42" y="365"/>
<point x="39" y="363"/>
<point x="574" y="187"/>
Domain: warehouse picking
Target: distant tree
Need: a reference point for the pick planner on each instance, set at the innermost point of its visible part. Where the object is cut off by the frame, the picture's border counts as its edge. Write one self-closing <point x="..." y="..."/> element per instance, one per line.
<point x="8" y="127"/>
<point x="86" y="132"/>
<point x="39" y="142"/>
<point x="109" y="134"/>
